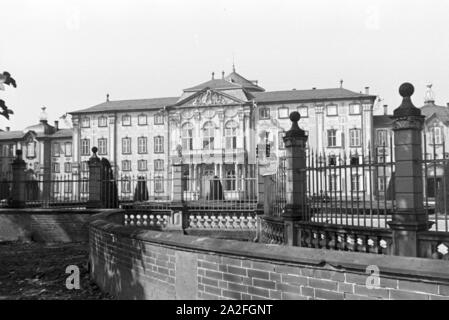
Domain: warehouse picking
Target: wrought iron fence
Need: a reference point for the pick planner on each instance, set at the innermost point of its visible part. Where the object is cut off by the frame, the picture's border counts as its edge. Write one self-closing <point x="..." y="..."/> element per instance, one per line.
<point x="436" y="182"/>
<point x="350" y="189"/>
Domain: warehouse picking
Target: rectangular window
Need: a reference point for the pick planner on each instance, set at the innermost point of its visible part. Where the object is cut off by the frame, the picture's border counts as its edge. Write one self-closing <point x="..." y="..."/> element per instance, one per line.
<point x="158" y="165"/>
<point x="158" y="118"/>
<point x="381" y="138"/>
<point x="126" y="185"/>
<point x="158" y="184"/>
<point x="436" y="136"/>
<point x="55" y="167"/>
<point x="102" y="121"/>
<point x="354" y="109"/>
<point x="56" y="149"/>
<point x="142" y="120"/>
<point x="126" y="120"/>
<point x="126" y="165"/>
<point x="85" y="147"/>
<point x="142" y="165"/>
<point x="68" y="149"/>
<point x="283" y="113"/>
<point x="303" y="111"/>
<point x="31" y="149"/>
<point x="264" y="113"/>
<point x="355" y="137"/>
<point x="56" y="187"/>
<point x="142" y="145"/>
<point x="382" y="184"/>
<point x="332" y="138"/>
<point x="85" y="185"/>
<point x="103" y="146"/>
<point x="333" y="182"/>
<point x="332" y="110"/>
<point x="230" y="184"/>
<point x="67" y="186"/>
<point x="355" y="182"/>
<point x="85" y="122"/>
<point x="281" y="139"/>
<point x="126" y="145"/>
<point x="85" y="166"/>
<point x="158" y="144"/>
<point x="67" y="167"/>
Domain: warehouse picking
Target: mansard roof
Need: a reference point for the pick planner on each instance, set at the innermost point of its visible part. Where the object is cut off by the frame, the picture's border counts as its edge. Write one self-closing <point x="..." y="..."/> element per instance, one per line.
<point x="308" y="95"/>
<point x="430" y="109"/>
<point x="122" y="105"/>
<point x="216" y="84"/>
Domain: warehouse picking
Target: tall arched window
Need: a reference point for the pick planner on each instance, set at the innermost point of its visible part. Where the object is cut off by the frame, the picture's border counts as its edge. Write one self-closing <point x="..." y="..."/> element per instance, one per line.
<point x="187" y="136"/>
<point x="231" y="134"/>
<point x="208" y="136"/>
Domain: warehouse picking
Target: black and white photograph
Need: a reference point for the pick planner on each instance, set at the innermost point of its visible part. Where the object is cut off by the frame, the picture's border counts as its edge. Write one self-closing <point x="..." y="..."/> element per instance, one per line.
<point x="224" y="151"/>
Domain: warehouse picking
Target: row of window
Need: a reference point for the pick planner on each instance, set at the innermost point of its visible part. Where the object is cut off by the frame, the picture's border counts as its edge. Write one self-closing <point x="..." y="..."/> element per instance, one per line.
<point x="208" y="132"/>
<point x="142" y="145"/>
<point x="142" y="120"/>
<point x="126" y="186"/>
<point x="56" y="168"/>
<point x="142" y="165"/>
<point x="331" y="110"/>
<point x="355" y="138"/>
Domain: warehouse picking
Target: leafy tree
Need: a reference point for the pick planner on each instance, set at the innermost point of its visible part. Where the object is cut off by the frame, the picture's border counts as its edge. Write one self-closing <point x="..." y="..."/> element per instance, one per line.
<point x="6" y="79"/>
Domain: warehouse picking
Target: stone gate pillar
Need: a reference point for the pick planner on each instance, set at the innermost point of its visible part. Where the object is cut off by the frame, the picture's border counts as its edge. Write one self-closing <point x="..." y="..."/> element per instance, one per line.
<point x="409" y="218"/>
<point x="94" y="180"/>
<point x="296" y="179"/>
<point x="18" y="189"/>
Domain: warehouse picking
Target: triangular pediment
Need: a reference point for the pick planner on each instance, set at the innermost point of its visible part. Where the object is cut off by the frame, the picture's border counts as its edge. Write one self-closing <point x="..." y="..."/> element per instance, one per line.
<point x="209" y="97"/>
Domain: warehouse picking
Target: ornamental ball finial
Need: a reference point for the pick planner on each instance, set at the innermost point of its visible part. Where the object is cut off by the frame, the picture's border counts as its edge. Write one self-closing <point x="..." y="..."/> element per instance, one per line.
<point x="406" y="90"/>
<point x="95" y="150"/>
<point x="295" y="116"/>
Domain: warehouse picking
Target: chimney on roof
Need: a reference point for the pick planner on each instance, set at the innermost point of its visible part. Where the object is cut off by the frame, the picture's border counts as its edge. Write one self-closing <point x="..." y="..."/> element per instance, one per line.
<point x="313" y="88"/>
<point x="341" y="83"/>
<point x="8" y="129"/>
<point x="213" y="75"/>
<point x="107" y="97"/>
<point x="367" y="90"/>
<point x="56" y="125"/>
<point x="385" y="109"/>
<point x="222" y="74"/>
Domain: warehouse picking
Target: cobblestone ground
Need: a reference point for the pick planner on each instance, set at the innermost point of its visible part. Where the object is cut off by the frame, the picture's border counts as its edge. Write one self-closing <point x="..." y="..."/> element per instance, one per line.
<point x="37" y="271"/>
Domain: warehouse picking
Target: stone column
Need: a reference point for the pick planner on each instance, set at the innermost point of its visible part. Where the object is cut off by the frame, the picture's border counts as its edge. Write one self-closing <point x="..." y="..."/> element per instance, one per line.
<point x="296" y="178"/>
<point x="409" y="218"/>
<point x="94" y="180"/>
<point x="18" y="190"/>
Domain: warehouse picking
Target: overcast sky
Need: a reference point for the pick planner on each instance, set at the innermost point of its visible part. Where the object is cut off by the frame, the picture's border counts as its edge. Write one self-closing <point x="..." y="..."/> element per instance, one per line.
<point x="67" y="55"/>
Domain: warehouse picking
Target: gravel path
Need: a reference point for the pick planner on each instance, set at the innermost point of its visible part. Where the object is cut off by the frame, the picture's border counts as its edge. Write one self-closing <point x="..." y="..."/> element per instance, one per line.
<point x="37" y="271"/>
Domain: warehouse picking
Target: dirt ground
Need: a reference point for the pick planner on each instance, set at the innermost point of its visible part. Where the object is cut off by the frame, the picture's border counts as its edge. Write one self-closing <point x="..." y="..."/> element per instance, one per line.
<point x="37" y="271"/>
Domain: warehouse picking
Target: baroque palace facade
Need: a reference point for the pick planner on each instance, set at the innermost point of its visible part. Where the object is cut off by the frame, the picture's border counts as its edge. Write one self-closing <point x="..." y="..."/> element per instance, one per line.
<point x="227" y="127"/>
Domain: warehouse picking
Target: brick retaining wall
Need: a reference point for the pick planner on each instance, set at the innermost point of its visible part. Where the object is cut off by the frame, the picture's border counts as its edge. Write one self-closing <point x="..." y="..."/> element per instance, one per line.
<point x="140" y="264"/>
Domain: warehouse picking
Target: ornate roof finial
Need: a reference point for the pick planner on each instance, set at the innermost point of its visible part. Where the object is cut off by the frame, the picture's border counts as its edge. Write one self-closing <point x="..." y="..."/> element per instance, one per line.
<point x="429" y="98"/>
<point x="213" y="75"/>
<point x="43" y="116"/>
<point x="107" y="97"/>
<point x="341" y="83"/>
